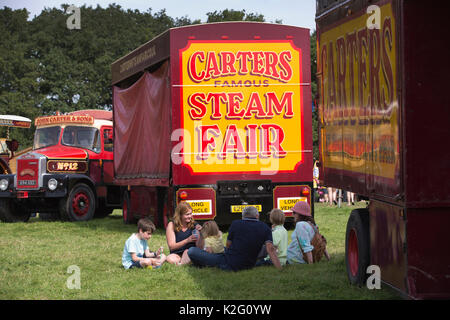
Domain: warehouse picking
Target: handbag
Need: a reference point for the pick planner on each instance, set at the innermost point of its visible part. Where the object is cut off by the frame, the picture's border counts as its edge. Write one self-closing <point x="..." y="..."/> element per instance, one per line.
<point x="319" y="242"/>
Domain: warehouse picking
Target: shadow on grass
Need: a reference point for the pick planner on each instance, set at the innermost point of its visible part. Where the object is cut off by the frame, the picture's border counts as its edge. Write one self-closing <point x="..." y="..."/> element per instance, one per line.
<point x="322" y="281"/>
<point x="110" y="223"/>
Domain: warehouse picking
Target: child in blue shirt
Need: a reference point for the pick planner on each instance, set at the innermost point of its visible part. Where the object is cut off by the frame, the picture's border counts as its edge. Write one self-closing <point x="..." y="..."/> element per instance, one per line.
<point x="136" y="253"/>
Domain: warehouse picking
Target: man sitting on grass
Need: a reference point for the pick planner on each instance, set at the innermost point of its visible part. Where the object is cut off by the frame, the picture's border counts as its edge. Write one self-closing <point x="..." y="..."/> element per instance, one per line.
<point x="245" y="240"/>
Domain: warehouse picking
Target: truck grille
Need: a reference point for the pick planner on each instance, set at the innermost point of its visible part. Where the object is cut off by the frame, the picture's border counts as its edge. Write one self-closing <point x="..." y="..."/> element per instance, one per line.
<point x="28" y="173"/>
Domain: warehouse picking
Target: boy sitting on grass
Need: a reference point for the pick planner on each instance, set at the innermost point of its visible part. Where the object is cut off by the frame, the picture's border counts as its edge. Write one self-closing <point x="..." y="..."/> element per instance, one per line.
<point x="136" y="253"/>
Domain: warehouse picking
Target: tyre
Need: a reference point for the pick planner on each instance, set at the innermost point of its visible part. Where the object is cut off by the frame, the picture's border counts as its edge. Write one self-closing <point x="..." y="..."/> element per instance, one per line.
<point x="127" y="216"/>
<point x="79" y="205"/>
<point x="9" y="212"/>
<point x="357" y="246"/>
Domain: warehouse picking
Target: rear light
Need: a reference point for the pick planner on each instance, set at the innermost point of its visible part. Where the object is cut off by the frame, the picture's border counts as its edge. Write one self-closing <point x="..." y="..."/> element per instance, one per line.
<point x="305" y="191"/>
<point x="183" y="195"/>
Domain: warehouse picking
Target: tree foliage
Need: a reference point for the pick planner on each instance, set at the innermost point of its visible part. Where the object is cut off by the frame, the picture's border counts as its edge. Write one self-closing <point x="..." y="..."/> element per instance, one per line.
<point x="46" y="67"/>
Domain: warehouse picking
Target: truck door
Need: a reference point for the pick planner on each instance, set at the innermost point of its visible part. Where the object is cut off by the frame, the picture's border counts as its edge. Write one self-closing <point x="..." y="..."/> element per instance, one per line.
<point x="107" y="151"/>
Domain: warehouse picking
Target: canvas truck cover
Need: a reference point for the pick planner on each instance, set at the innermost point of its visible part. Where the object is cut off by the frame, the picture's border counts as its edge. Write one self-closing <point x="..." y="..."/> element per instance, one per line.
<point x="239" y="105"/>
<point x="142" y="131"/>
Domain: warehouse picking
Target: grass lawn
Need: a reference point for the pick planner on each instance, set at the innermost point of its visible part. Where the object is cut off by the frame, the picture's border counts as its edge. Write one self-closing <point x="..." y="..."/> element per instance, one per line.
<point x="35" y="257"/>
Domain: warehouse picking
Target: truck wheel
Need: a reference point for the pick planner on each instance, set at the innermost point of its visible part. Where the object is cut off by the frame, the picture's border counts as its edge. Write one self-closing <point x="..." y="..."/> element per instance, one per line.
<point x="126" y="209"/>
<point x="79" y="204"/>
<point x="9" y="212"/>
<point x="357" y="246"/>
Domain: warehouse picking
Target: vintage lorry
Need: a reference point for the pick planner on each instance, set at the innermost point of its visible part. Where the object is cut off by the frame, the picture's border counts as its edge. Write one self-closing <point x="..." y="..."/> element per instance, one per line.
<point x="384" y="115"/>
<point x="9" y="146"/>
<point x="218" y="115"/>
<point x="69" y="172"/>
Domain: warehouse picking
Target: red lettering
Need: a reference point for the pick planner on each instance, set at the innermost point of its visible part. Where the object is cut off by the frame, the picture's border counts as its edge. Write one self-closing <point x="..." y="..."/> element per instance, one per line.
<point x="271" y="65"/>
<point x="192" y="66"/>
<point x="216" y="97"/>
<point x="352" y="53"/>
<point x="362" y="71"/>
<point x="206" y="144"/>
<point x="342" y="67"/>
<point x="212" y="67"/>
<point x="387" y="69"/>
<point x="243" y="57"/>
<point x="232" y="144"/>
<point x="374" y="58"/>
<point x="197" y="102"/>
<point x="228" y="59"/>
<point x="254" y="106"/>
<point x="268" y="144"/>
<point x="331" y="80"/>
<point x="286" y="103"/>
<point x="258" y="63"/>
<point x="252" y="148"/>
<point x="234" y="99"/>
<point x="286" y="70"/>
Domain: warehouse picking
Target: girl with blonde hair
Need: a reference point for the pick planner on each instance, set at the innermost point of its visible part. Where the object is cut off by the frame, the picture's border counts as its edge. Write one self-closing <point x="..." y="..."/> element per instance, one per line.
<point x="213" y="237"/>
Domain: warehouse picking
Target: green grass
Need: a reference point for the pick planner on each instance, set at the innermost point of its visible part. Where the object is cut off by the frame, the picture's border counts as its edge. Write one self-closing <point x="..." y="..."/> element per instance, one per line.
<point x="35" y="256"/>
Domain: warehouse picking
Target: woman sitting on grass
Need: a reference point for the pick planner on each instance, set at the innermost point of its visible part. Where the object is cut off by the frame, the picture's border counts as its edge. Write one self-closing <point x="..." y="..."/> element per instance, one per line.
<point x="182" y="233"/>
<point x="300" y="250"/>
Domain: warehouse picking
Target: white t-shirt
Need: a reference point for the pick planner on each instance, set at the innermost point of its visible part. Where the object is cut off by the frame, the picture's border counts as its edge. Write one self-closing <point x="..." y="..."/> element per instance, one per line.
<point x="133" y="245"/>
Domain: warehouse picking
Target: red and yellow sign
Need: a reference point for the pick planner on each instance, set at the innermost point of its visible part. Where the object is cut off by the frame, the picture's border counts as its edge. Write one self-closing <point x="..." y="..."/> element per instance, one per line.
<point x="70" y="119"/>
<point x="241" y="106"/>
<point x="358" y="90"/>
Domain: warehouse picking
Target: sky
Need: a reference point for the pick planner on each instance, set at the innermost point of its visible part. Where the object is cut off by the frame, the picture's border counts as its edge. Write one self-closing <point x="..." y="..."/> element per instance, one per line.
<point x="298" y="13"/>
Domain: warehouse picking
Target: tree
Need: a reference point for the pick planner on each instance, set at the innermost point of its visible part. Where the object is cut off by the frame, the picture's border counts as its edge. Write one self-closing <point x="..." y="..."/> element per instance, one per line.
<point x="233" y="15"/>
<point x="18" y="72"/>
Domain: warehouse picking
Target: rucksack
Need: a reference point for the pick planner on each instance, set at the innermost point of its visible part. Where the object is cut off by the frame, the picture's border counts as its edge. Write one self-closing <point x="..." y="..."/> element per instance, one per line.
<point x="319" y="243"/>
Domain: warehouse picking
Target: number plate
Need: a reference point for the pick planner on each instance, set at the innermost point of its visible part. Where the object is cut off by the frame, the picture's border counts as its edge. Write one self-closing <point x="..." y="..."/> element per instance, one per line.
<point x="239" y="209"/>
<point x="27" y="182"/>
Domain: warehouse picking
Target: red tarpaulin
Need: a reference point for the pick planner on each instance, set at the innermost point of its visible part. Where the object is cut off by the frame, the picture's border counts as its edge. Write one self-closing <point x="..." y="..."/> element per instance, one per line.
<point x="142" y="131"/>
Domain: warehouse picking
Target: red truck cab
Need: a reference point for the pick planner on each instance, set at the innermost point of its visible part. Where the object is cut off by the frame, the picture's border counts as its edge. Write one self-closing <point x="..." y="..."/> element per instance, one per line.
<point x="69" y="171"/>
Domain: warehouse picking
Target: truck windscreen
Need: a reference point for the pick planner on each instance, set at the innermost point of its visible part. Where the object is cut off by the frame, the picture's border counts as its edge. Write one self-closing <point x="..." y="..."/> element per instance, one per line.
<point x="46" y="137"/>
<point x="82" y="137"/>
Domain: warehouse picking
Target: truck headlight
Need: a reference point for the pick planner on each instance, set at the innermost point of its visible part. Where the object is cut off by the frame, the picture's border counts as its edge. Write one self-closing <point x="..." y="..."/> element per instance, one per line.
<point x="4" y="184"/>
<point x="52" y="184"/>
